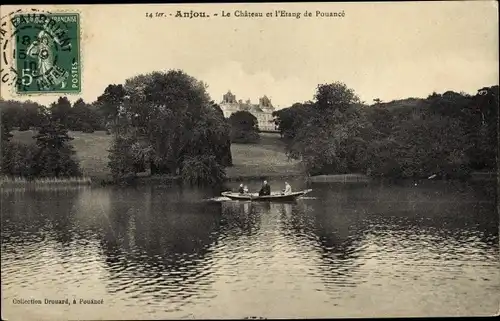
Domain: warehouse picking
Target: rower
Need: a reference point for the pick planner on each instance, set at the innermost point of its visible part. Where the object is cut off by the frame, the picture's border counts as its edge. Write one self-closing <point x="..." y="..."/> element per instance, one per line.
<point x="265" y="190"/>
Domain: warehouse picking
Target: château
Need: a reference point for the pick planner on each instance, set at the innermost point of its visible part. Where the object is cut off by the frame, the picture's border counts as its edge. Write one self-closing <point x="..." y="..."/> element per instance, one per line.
<point x="262" y="111"/>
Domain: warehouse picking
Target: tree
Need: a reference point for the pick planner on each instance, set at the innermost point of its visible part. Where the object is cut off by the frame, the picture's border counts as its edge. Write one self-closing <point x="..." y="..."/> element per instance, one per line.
<point x="290" y="120"/>
<point x="224" y="146"/>
<point x="61" y="111"/>
<point x="335" y="98"/>
<point x="83" y="117"/>
<point x="5" y="134"/>
<point x="244" y="127"/>
<point x="165" y="107"/>
<point x="5" y="144"/>
<point x="202" y="169"/>
<point x="7" y="121"/>
<point x="334" y="139"/>
<point x="171" y="116"/>
<point x="121" y="157"/>
<point x="110" y="102"/>
<point x="480" y="121"/>
<point x="55" y="154"/>
<point x="381" y="119"/>
<point x="18" y="159"/>
<point x="30" y="115"/>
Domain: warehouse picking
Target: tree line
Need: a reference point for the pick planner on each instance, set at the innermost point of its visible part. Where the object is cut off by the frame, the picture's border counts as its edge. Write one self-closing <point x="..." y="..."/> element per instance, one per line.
<point x="79" y="116"/>
<point x="166" y="122"/>
<point x="161" y="121"/>
<point x="444" y="135"/>
<point x="52" y="154"/>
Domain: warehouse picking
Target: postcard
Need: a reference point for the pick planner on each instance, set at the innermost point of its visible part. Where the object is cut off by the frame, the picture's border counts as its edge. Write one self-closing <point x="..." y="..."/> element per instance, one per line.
<point x="249" y="160"/>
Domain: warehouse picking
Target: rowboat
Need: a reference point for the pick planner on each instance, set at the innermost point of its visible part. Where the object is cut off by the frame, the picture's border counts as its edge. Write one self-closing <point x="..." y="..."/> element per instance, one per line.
<point x="274" y="197"/>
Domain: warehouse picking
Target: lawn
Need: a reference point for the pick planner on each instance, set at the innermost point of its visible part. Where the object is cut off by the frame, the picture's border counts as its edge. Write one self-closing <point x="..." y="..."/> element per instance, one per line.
<point x="266" y="158"/>
<point x="91" y="150"/>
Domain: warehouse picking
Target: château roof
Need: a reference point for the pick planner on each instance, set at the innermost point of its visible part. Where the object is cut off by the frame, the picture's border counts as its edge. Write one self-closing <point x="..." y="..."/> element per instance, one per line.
<point x="229" y="99"/>
<point x="256" y="109"/>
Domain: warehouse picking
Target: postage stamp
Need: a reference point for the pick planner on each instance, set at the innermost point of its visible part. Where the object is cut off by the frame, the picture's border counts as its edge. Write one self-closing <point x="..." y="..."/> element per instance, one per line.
<point x="46" y="52"/>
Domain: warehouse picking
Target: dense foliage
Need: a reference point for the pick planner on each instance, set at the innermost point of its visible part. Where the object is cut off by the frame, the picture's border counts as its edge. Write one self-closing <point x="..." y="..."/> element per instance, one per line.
<point x="109" y="103"/>
<point x="288" y="120"/>
<point x="202" y="169"/>
<point x="29" y="115"/>
<point x="21" y="115"/>
<point x="54" y="157"/>
<point x="165" y="122"/>
<point x="447" y="135"/>
<point x="50" y="156"/>
<point x="162" y="121"/>
<point x="173" y="125"/>
<point x="244" y="127"/>
<point x="122" y="160"/>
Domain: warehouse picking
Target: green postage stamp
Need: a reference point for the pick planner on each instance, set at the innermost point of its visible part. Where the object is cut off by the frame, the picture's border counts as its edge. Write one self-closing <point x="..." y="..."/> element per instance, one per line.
<point x="47" y="53"/>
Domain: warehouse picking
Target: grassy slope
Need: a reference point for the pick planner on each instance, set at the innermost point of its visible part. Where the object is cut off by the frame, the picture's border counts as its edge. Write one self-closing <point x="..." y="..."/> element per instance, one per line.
<point x="91" y="150"/>
<point x="266" y="158"/>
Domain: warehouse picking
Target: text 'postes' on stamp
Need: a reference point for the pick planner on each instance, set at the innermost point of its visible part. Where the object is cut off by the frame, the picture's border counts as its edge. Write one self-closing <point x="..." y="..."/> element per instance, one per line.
<point x="47" y="53"/>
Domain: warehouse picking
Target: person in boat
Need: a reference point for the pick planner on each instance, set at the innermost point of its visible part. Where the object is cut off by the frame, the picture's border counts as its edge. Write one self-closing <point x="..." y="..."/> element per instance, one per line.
<point x="241" y="190"/>
<point x="288" y="189"/>
<point x="265" y="190"/>
<point x="245" y="189"/>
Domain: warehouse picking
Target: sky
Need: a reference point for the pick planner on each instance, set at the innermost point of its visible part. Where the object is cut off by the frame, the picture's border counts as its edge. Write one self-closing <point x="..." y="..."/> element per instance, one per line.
<point x="381" y="50"/>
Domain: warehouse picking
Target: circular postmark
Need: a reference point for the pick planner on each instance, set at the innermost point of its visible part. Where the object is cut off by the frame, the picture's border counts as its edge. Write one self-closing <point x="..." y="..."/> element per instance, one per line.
<point x="32" y="42"/>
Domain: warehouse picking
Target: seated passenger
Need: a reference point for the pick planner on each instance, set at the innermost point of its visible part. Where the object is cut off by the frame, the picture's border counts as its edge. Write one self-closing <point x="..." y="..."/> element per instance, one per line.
<point x="288" y="189"/>
<point x="241" y="190"/>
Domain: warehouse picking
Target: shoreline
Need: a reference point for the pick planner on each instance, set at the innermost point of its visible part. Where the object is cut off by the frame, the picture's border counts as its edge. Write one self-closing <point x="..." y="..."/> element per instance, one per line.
<point x="340" y="178"/>
<point x="14" y="182"/>
<point x="93" y="181"/>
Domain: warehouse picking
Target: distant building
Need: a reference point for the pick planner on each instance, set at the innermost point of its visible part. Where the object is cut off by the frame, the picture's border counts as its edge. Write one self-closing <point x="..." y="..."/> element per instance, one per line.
<point x="262" y="111"/>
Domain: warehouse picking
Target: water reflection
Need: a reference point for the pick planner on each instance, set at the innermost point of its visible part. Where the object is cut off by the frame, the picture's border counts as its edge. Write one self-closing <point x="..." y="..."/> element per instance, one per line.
<point x="241" y="218"/>
<point x="156" y="246"/>
<point x="166" y="252"/>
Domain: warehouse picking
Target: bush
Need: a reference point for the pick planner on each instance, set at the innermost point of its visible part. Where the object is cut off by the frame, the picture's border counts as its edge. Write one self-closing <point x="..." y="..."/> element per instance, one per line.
<point x="202" y="169"/>
<point x="5" y="134"/>
<point x="54" y="157"/>
<point x="244" y="137"/>
<point x="56" y="163"/>
<point x="87" y="128"/>
<point x="18" y="159"/>
<point x="30" y="161"/>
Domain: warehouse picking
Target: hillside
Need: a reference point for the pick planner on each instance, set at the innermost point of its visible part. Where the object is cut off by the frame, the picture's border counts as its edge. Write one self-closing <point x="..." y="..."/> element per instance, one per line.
<point x="266" y="158"/>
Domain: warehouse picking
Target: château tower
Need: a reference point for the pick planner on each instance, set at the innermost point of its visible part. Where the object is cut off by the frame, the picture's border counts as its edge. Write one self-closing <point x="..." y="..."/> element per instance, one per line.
<point x="262" y="111"/>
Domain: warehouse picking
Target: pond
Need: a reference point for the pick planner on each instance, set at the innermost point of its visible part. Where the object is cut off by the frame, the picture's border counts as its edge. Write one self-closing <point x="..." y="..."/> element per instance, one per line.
<point x="157" y="252"/>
